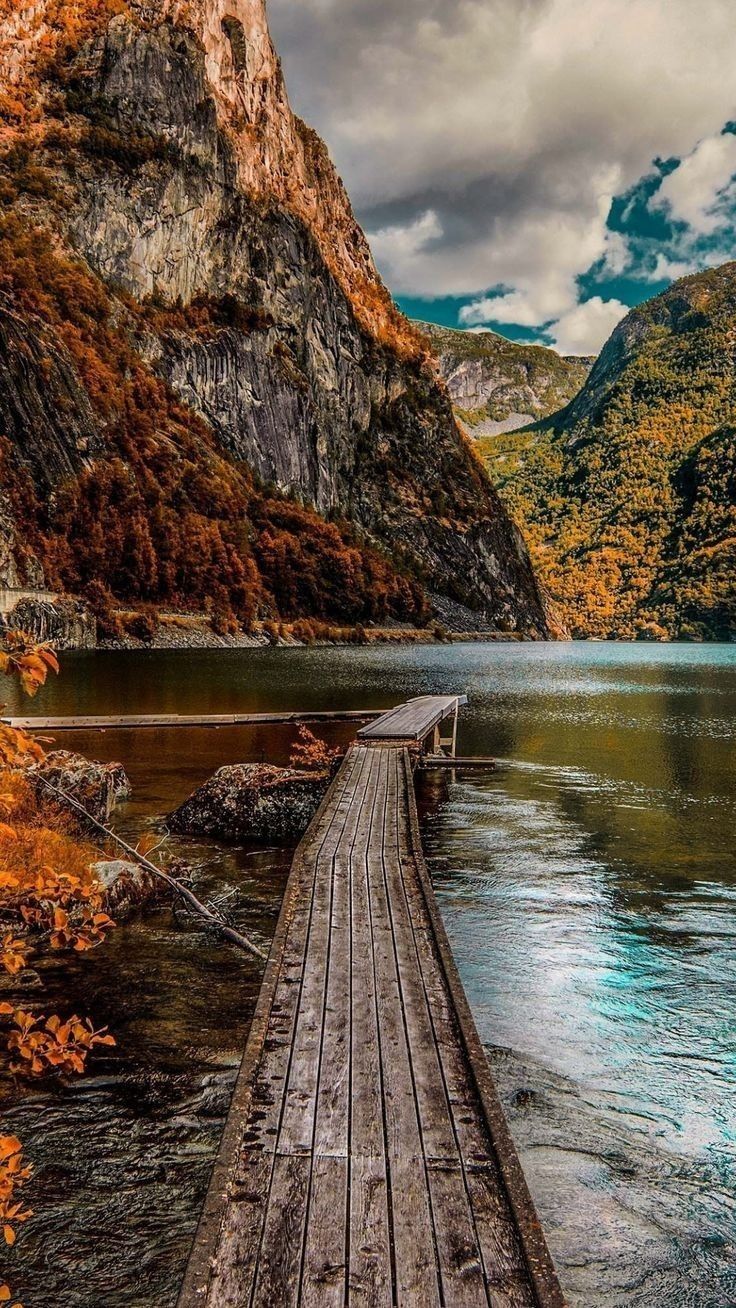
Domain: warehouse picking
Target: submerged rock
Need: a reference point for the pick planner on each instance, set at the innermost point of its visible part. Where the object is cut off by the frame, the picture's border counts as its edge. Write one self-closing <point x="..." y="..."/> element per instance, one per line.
<point x="96" y="786"/>
<point x="126" y="886"/>
<point x="253" y="801"/>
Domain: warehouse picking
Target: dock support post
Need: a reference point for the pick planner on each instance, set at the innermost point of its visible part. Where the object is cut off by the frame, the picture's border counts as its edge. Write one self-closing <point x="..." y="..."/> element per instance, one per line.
<point x="446" y="745"/>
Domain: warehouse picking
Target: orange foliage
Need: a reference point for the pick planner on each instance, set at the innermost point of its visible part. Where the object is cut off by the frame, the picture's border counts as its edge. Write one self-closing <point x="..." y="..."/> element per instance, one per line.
<point x="383" y="320"/>
<point x="45" y="877"/>
<point x="14" y="953"/>
<point x="29" y="662"/>
<point x="311" y="754"/>
<point x="14" y="1172"/>
<point x="47" y="35"/>
<point x="45" y="885"/>
<point x="46" y="1044"/>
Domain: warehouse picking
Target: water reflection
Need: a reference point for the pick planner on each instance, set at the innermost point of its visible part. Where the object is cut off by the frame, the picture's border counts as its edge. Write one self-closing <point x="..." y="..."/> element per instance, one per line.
<point x="588" y="888"/>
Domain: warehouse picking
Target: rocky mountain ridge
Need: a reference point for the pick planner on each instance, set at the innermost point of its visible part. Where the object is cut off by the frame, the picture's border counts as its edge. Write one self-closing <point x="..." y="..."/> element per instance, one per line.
<point x="197" y="357"/>
<point x="497" y="385"/>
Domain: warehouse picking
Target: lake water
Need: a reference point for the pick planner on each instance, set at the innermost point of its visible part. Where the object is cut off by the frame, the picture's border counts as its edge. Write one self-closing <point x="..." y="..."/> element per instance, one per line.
<point x="588" y="886"/>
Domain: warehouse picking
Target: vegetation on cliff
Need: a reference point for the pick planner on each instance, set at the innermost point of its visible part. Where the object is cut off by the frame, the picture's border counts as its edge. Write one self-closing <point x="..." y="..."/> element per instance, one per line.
<point x="169" y="520"/>
<point x="628" y="497"/>
<point x="199" y="407"/>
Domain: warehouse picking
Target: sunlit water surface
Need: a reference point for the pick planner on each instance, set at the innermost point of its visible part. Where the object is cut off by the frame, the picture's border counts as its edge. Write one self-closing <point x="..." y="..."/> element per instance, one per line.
<point x="588" y="886"/>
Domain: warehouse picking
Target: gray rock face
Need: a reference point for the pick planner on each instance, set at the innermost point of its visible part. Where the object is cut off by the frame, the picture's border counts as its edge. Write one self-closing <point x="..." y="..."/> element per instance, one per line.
<point x="254" y="802"/>
<point x="203" y="184"/>
<point x="46" y="416"/>
<point x="44" y="410"/>
<point x="98" y="787"/>
<point x="63" y="623"/>
<point x="497" y="385"/>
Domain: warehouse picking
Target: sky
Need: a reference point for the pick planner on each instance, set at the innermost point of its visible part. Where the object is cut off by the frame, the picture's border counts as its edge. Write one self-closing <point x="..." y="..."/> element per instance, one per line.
<point x="532" y="166"/>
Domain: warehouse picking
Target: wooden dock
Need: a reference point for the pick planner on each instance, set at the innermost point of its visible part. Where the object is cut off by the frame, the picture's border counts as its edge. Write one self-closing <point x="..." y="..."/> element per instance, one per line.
<point x="366" y="1159"/>
<point x="137" y="722"/>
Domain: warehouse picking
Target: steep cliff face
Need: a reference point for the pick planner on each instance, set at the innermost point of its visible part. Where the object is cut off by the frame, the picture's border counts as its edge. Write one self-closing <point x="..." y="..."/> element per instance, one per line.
<point x="629" y="494"/>
<point x="497" y="385"/>
<point x="194" y="291"/>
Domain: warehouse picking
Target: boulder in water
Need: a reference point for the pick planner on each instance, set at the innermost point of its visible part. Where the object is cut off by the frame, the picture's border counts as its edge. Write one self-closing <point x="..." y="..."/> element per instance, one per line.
<point x="125" y="886"/>
<point x="96" y="786"/>
<point x="252" y="801"/>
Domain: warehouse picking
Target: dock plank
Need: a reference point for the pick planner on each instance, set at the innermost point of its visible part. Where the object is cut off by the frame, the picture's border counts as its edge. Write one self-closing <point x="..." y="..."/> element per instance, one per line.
<point x="366" y="1160"/>
<point x="138" y="722"/>
<point x="416" y="1270"/>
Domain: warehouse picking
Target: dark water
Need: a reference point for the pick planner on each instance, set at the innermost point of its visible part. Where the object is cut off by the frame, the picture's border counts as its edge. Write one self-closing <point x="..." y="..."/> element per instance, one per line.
<point x="588" y="886"/>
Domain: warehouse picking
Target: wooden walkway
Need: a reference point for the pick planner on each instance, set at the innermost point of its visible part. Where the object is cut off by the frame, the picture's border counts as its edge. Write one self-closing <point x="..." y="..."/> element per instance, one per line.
<point x="366" y="1160"/>
<point x="135" y="722"/>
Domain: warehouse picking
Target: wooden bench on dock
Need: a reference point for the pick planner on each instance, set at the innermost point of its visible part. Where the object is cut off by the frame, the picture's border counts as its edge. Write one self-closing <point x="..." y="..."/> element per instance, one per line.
<point x="366" y="1159"/>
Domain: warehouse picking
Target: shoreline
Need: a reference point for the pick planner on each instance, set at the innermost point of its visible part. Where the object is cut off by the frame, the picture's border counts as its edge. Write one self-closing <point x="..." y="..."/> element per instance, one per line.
<point x="208" y="640"/>
<point x="380" y="636"/>
<point x="68" y="626"/>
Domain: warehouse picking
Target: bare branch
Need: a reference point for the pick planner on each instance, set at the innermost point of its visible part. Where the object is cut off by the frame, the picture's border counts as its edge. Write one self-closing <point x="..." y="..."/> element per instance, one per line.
<point x="212" y="918"/>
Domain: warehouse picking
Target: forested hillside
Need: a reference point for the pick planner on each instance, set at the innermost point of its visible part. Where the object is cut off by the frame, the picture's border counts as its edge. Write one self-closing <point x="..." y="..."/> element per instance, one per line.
<point x="628" y="496"/>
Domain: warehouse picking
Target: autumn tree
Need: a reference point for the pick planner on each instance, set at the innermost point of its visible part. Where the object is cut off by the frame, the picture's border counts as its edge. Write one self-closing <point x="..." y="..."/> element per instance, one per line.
<point x="49" y="899"/>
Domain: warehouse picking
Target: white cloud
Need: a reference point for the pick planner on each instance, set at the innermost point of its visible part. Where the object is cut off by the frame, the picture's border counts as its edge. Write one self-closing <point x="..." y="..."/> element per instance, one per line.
<point x="401" y="246"/>
<point x="586" y="328"/>
<point x="540" y="258"/>
<point x="616" y="255"/>
<point x="512" y="123"/>
<point x="701" y="190"/>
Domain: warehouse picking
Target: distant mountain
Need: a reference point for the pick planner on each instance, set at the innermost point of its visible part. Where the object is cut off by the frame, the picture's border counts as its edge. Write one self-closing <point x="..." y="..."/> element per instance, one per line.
<point x="628" y="497"/>
<point x="497" y="385"/>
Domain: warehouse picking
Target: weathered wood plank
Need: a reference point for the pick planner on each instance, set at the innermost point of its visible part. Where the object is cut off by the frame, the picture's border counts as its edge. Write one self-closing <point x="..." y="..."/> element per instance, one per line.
<point x="240" y="1187"/>
<point x="371" y="1272"/>
<point x="369" y="1162"/>
<point x="283" y="1247"/>
<point x="459" y="1258"/>
<point x="296" y="1132"/>
<point x="326" y="1253"/>
<point x="417" y="1275"/>
<point x="326" y="1239"/>
<point x="278" y="1276"/>
<point x="138" y="722"/>
<point x="282" y="1031"/>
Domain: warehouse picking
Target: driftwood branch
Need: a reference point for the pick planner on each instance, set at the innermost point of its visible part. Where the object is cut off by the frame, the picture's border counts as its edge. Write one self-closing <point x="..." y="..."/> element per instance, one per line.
<point x="211" y="917"/>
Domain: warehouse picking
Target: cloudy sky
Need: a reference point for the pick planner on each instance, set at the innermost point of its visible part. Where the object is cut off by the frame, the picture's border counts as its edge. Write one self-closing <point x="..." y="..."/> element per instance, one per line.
<point x="532" y="165"/>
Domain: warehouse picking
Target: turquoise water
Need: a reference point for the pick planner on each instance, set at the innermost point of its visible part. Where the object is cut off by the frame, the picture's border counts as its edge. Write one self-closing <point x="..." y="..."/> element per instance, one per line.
<point x="588" y="886"/>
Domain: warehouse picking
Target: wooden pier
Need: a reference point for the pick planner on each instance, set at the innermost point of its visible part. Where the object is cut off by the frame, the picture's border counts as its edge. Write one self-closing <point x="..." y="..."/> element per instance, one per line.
<point x="138" y="722"/>
<point x="366" y="1159"/>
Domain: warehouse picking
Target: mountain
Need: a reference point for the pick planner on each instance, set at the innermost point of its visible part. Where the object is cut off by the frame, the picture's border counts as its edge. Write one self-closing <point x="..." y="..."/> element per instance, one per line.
<point x="497" y="385"/>
<point x="628" y="496"/>
<point x="207" y="396"/>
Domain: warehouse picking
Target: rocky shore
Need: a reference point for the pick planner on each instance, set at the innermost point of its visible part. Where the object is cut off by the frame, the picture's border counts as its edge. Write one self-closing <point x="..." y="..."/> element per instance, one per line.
<point x="68" y="624"/>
